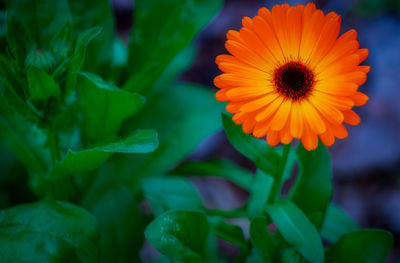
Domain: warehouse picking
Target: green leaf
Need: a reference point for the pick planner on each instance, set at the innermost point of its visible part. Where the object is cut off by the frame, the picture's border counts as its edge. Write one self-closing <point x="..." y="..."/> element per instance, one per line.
<point x="30" y="148"/>
<point x="313" y="190"/>
<point x="48" y="231"/>
<point x="58" y="182"/>
<point x="104" y="106"/>
<point x="363" y="246"/>
<point x="183" y="115"/>
<point x="42" y="86"/>
<point x="230" y="233"/>
<point x="260" y="191"/>
<point x="175" y="30"/>
<point x="266" y="245"/>
<point x="42" y="18"/>
<point x="216" y="167"/>
<point x="171" y="193"/>
<point x="264" y="156"/>
<point x="17" y="38"/>
<point x="121" y="223"/>
<point x="290" y="256"/>
<point x="337" y="223"/>
<point x="101" y="15"/>
<point x="79" y="56"/>
<point x="180" y="235"/>
<point x="61" y="44"/>
<point x="297" y="230"/>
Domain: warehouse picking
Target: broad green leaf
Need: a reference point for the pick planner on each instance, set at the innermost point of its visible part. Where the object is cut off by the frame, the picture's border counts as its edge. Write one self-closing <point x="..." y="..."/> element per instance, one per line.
<point x="290" y="256"/>
<point x="363" y="246"/>
<point x="17" y="38"/>
<point x="216" y="167"/>
<point x="42" y="18"/>
<point x="180" y="235"/>
<point x="166" y="193"/>
<point x="48" y="231"/>
<point x="183" y="115"/>
<point x="337" y="223"/>
<point x="95" y="13"/>
<point x="313" y="190"/>
<point x="297" y="230"/>
<point x="264" y="156"/>
<point x="175" y="30"/>
<point x="121" y="224"/>
<point x="259" y="193"/>
<point x="58" y="182"/>
<point x="31" y="148"/>
<point x="61" y="44"/>
<point x="78" y="56"/>
<point x="42" y="86"/>
<point x="230" y="233"/>
<point x="104" y="106"/>
<point x="266" y="245"/>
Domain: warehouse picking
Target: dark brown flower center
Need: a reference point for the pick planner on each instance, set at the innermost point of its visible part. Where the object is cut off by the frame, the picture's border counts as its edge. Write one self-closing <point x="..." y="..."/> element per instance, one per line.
<point x="293" y="80"/>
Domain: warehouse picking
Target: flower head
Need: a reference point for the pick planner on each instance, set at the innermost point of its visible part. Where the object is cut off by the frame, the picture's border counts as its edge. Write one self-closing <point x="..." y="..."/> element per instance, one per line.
<point x="289" y="75"/>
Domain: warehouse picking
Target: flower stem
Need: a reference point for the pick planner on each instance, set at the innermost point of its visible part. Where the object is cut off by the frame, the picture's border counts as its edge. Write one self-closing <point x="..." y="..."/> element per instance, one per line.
<point x="278" y="179"/>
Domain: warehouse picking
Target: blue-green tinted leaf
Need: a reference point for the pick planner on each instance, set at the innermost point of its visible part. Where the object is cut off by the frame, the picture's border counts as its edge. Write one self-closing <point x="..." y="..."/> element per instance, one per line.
<point x="57" y="183"/>
<point x="183" y="115"/>
<point x="363" y="246"/>
<point x="337" y="223"/>
<point x="78" y="56"/>
<point x="264" y="156"/>
<point x="259" y="193"/>
<point x="42" y="86"/>
<point x="230" y="233"/>
<point x="30" y="148"/>
<point x="180" y="235"/>
<point x="313" y="190"/>
<point x="140" y="141"/>
<point x="104" y="106"/>
<point x="121" y="224"/>
<point x="175" y="30"/>
<point x="297" y="230"/>
<point x="61" y="44"/>
<point x="167" y="193"/>
<point x="92" y="13"/>
<point x="266" y="245"/>
<point x="42" y="18"/>
<point x="48" y="231"/>
<point x="216" y="167"/>
<point x="17" y="38"/>
<point x="290" y="256"/>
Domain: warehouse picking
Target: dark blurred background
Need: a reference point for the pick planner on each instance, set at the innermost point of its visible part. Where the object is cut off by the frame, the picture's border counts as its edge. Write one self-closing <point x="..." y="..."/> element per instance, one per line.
<point x="367" y="163"/>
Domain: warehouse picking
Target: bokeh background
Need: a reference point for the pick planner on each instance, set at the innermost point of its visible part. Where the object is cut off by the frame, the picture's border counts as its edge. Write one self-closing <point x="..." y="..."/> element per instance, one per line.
<point x="367" y="163"/>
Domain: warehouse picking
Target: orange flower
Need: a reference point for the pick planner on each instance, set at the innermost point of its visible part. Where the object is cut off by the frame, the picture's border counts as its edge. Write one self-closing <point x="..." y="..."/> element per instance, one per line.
<point x="290" y="76"/>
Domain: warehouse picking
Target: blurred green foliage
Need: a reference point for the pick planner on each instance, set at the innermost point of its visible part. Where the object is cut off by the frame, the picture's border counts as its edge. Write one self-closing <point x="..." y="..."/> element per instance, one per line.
<point x="94" y="132"/>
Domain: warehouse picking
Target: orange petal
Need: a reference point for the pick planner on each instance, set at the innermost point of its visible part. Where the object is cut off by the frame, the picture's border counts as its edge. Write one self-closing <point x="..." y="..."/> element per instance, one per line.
<point x="281" y="115"/>
<point x="258" y="103"/>
<point x="309" y="139"/>
<point x="296" y="121"/>
<point x="327" y="138"/>
<point x="350" y="117"/>
<point x="329" y="112"/>
<point x="284" y="134"/>
<point x="312" y="117"/>
<point x="359" y="98"/>
<point x="270" y="110"/>
<point x="221" y="95"/>
<point x="273" y="138"/>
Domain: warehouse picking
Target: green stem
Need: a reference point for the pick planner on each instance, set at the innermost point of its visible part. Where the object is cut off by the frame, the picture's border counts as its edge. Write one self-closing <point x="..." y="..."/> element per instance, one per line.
<point x="278" y="179"/>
